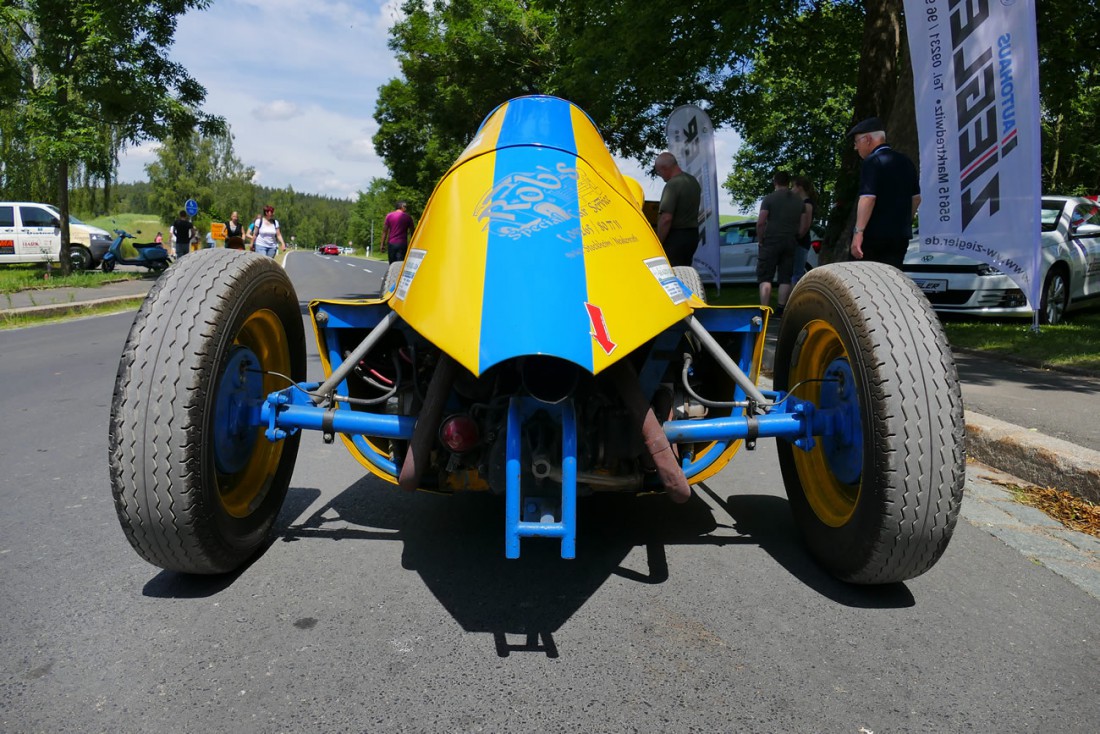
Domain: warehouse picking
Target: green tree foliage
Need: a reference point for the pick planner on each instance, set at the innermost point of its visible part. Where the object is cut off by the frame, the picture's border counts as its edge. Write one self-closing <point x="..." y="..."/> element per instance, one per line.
<point x="787" y="115"/>
<point x="81" y="66"/>
<point x="459" y="60"/>
<point x="629" y="63"/>
<point x="1069" y="82"/>
<point x="203" y="168"/>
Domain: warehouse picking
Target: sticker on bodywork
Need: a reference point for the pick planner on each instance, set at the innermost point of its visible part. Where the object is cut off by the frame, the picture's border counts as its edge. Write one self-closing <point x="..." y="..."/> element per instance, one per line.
<point x="412" y="264"/>
<point x="599" y="328"/>
<point x="662" y="271"/>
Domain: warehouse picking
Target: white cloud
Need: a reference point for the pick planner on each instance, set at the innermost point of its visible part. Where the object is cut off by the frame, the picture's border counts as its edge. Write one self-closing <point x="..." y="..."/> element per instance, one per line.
<point x="357" y="149"/>
<point x="280" y="109"/>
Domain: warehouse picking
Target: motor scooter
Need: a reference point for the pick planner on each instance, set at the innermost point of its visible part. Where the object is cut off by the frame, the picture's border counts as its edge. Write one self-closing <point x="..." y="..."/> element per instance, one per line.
<point x="150" y="254"/>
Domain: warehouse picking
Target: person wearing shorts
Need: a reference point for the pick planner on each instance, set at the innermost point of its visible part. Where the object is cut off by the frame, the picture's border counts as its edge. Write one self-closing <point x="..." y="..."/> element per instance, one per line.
<point x="778" y="227"/>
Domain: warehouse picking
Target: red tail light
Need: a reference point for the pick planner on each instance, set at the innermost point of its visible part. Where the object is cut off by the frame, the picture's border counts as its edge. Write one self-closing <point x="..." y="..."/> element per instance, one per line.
<point x="816" y="244"/>
<point x="459" y="433"/>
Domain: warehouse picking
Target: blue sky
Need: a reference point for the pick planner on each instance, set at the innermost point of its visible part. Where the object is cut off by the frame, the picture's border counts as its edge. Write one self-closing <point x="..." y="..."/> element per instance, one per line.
<point x="297" y="82"/>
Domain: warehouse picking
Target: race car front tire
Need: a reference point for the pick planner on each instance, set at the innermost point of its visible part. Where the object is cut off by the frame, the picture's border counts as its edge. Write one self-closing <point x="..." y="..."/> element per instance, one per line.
<point x="877" y="496"/>
<point x="196" y="484"/>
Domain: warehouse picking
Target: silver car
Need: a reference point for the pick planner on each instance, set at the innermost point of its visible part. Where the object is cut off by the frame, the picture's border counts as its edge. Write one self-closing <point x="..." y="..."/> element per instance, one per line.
<point x="739" y="250"/>
<point x="1069" y="271"/>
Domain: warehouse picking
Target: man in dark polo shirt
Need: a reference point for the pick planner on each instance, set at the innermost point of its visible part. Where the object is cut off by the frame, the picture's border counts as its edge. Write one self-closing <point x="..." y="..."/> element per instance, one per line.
<point x="778" y="227"/>
<point x="889" y="193"/>
<point x="678" y="215"/>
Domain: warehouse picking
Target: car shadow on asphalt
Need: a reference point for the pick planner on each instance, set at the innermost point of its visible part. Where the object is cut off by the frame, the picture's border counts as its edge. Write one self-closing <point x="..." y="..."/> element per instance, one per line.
<point x="455" y="544"/>
<point x="767" y="521"/>
<point x="984" y="369"/>
<point x="174" y="585"/>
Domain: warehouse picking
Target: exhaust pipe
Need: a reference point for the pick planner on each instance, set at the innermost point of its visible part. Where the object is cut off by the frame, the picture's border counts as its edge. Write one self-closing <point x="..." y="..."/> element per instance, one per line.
<point x="549" y="379"/>
<point x="656" y="442"/>
<point x="427" y="424"/>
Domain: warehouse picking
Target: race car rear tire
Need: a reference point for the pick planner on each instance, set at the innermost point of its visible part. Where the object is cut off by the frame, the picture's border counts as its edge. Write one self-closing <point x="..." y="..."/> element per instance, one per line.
<point x="690" y="277"/>
<point x="196" y="484"/>
<point x="877" y="497"/>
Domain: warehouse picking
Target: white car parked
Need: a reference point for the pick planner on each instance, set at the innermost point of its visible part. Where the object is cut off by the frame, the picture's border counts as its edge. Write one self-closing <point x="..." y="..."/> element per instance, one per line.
<point x="31" y="232"/>
<point x="739" y="250"/>
<point x="1070" y="269"/>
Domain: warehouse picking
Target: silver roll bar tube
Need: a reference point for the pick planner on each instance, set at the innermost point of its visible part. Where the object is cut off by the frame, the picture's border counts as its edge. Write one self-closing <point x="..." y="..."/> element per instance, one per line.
<point x="726" y="362"/>
<point x="329" y="386"/>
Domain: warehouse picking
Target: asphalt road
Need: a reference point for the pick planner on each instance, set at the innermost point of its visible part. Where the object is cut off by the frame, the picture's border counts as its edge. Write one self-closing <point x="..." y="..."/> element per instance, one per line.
<point x="376" y="611"/>
<point x="1057" y="404"/>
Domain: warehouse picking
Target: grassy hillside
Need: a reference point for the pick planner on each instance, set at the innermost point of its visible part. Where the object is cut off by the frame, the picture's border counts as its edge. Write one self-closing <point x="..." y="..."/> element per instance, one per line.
<point x="148" y="224"/>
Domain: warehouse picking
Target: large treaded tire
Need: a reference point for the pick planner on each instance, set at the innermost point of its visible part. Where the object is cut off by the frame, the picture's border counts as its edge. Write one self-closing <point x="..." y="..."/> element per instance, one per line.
<point x="882" y="509"/>
<point x="186" y="501"/>
<point x="690" y="277"/>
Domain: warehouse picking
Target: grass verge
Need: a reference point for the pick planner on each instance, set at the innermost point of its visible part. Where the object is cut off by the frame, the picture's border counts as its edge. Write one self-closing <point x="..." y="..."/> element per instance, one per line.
<point x="11" y="321"/>
<point x="1074" y="344"/>
<point x="32" y="276"/>
<point x="145" y="226"/>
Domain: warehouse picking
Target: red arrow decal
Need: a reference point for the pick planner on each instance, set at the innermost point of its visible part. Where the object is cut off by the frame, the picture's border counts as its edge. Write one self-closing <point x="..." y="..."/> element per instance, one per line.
<point x="599" y="328"/>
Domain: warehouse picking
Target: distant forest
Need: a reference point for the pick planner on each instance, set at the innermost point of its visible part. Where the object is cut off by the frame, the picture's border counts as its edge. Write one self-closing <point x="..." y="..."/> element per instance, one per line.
<point x="312" y="219"/>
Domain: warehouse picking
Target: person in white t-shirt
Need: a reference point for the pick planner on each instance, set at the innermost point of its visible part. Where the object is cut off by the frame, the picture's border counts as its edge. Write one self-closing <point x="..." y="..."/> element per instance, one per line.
<point x="267" y="237"/>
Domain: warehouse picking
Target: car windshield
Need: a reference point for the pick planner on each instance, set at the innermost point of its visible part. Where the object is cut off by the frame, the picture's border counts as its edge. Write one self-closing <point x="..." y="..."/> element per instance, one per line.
<point x="53" y="210"/>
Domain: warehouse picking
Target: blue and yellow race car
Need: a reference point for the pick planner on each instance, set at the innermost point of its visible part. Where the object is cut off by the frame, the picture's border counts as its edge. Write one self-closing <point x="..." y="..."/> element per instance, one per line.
<point x="536" y="343"/>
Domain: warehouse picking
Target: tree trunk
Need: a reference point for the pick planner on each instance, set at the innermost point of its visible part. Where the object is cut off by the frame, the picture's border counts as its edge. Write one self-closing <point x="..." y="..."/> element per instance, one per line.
<point x="876" y="90"/>
<point x="63" y="207"/>
<point x="902" y="124"/>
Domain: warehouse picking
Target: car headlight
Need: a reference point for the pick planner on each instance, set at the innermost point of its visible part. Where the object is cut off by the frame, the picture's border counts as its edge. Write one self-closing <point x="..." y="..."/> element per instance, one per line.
<point x="987" y="269"/>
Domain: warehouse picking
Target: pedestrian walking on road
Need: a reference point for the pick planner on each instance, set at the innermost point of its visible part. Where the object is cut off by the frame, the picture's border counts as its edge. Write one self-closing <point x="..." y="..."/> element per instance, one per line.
<point x="182" y="233"/>
<point x="234" y="232"/>
<point x="396" y="228"/>
<point x="267" y="237"/>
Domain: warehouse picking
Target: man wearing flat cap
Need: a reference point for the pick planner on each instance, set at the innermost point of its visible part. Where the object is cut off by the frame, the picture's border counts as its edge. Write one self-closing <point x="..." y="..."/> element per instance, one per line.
<point x="889" y="193"/>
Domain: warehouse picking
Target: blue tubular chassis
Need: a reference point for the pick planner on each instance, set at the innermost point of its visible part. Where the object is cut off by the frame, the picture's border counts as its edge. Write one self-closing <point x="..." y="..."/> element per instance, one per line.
<point x="753" y="413"/>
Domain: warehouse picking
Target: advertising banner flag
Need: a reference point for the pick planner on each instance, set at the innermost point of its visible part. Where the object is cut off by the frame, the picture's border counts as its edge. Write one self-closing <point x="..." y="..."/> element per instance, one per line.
<point x="691" y="139"/>
<point x="976" y="79"/>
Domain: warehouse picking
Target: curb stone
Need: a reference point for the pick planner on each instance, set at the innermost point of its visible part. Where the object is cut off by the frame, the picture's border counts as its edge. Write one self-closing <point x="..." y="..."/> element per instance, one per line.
<point x="1034" y="457"/>
<point x="60" y="309"/>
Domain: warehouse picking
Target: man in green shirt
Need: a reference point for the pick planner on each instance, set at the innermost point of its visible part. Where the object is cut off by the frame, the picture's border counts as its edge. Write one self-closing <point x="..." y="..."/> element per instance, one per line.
<point x="678" y="215"/>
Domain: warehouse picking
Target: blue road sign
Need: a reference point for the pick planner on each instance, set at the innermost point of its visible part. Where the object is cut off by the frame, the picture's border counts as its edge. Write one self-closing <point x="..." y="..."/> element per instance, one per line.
<point x="191" y="207"/>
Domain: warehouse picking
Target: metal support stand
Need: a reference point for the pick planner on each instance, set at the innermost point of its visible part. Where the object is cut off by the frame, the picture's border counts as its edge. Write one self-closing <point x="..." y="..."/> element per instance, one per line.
<point x="543" y="524"/>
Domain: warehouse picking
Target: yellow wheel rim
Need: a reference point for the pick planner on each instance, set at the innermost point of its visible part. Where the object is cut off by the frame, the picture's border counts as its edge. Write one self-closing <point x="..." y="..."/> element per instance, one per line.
<point x="833" y="500"/>
<point x="241" y="492"/>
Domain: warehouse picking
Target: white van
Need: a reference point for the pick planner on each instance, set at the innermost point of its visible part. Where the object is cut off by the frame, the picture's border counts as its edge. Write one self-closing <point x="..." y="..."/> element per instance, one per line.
<point x="31" y="233"/>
